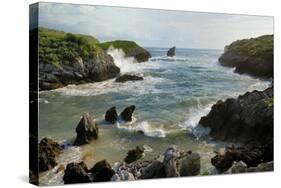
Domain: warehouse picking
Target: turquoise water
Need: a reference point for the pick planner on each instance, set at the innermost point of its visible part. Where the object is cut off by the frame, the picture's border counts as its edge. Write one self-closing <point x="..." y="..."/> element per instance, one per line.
<point x="169" y="102"/>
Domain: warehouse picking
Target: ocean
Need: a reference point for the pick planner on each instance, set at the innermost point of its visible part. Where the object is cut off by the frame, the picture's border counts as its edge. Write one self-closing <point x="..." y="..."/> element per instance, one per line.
<point x="175" y="93"/>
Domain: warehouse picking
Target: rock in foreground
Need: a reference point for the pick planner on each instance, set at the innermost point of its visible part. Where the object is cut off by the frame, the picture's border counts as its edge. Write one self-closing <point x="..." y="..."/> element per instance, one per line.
<point x="87" y="130"/>
<point x="111" y="115"/>
<point x="48" y="152"/>
<point x="128" y="77"/>
<point x="252" y="56"/>
<point x="128" y="113"/>
<point x="76" y="173"/>
<point x="171" y="52"/>
<point x="134" y="155"/>
<point x="249" y="118"/>
<point x="102" y="171"/>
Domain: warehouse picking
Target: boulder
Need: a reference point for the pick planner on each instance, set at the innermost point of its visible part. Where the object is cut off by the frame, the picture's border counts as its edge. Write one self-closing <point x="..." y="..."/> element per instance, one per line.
<point x="249" y="118"/>
<point x="102" y="171"/>
<point x="134" y="155"/>
<point x="127" y="113"/>
<point x="48" y="152"/>
<point x="190" y="165"/>
<point x="171" y="52"/>
<point x="128" y="77"/>
<point x="155" y="169"/>
<point x="76" y="173"/>
<point x="170" y="166"/>
<point x="87" y="130"/>
<point x="238" y="167"/>
<point x="251" y="56"/>
<point x="111" y="115"/>
<point x="262" y="167"/>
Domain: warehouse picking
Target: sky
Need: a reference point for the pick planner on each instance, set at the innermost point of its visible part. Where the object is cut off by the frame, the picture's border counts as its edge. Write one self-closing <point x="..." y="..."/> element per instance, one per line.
<point x="154" y="28"/>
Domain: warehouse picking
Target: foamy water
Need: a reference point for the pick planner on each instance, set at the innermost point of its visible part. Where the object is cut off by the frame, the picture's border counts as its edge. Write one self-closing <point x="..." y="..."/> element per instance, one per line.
<point x="175" y="93"/>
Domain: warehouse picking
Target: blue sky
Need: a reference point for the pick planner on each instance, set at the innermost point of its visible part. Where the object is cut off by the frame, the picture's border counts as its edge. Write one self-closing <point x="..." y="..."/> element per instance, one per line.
<point x="158" y="28"/>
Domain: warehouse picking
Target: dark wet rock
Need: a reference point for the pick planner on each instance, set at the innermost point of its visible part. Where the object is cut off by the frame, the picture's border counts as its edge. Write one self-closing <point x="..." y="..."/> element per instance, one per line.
<point x="102" y="171"/>
<point x="252" y="56"/>
<point x="128" y="77"/>
<point x="48" y="152"/>
<point x="249" y="118"/>
<point x="76" y="173"/>
<point x="87" y="130"/>
<point x="134" y="155"/>
<point x="127" y="113"/>
<point x="155" y="169"/>
<point x="171" y="52"/>
<point x="111" y="115"/>
<point x="190" y="165"/>
<point x="252" y="156"/>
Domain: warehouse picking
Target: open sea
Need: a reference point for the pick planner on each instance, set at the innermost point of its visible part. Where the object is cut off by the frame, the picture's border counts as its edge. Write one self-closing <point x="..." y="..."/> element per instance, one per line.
<point x="175" y="93"/>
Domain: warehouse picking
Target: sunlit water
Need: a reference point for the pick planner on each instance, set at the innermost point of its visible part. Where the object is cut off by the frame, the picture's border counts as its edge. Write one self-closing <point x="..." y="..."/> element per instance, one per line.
<point x="169" y="102"/>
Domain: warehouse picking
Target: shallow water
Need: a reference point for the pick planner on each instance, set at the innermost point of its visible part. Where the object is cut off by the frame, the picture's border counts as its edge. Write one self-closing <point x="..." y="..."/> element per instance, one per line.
<point x="169" y="102"/>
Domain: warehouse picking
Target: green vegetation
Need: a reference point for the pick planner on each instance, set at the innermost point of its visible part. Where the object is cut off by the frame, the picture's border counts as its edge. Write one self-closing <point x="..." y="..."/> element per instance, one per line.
<point x="254" y="47"/>
<point x="126" y="46"/>
<point x="56" y="47"/>
<point x="269" y="101"/>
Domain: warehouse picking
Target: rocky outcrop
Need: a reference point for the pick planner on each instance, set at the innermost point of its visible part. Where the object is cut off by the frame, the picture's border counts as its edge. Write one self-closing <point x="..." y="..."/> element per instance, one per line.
<point x="252" y="56"/>
<point x="252" y="156"/>
<point x="134" y="155"/>
<point x="171" y="52"/>
<point x="128" y="77"/>
<point x="111" y="115"/>
<point x="130" y="48"/>
<point x="127" y="113"/>
<point x="76" y="173"/>
<point x="66" y="58"/>
<point x="48" y="153"/>
<point x="102" y="171"/>
<point x="249" y="118"/>
<point x="87" y="130"/>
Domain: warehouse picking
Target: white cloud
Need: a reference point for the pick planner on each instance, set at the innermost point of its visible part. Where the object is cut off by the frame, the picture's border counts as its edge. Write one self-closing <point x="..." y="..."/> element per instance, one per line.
<point x="154" y="27"/>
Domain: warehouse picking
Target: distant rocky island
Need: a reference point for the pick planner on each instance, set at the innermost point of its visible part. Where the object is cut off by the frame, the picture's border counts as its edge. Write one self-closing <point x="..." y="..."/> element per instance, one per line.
<point x="66" y="58"/>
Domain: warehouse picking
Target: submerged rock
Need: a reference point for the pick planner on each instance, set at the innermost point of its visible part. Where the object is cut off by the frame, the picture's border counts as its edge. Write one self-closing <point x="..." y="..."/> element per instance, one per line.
<point x="48" y="152"/>
<point x="127" y="113"/>
<point x="76" y="173"/>
<point x="128" y="77"/>
<point x="190" y="165"/>
<point x="171" y="52"/>
<point x="252" y="56"/>
<point x="87" y="130"/>
<point x="111" y="115"/>
<point x="134" y="155"/>
<point x="102" y="171"/>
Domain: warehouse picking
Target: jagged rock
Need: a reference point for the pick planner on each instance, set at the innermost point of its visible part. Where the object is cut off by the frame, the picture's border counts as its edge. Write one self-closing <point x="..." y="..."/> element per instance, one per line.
<point x="128" y="77"/>
<point x="48" y="152"/>
<point x="249" y="118"/>
<point x="102" y="171"/>
<point x="171" y="52"/>
<point x="76" y="173"/>
<point x="111" y="115"/>
<point x="190" y="165"/>
<point x="127" y="113"/>
<point x="238" y="167"/>
<point x="263" y="167"/>
<point x="87" y="130"/>
<point x="134" y="155"/>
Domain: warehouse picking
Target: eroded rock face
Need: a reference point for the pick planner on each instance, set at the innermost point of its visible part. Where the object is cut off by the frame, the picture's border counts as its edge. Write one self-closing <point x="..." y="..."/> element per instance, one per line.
<point x="76" y="173"/>
<point x="102" y="171"/>
<point x="140" y="54"/>
<point x="171" y="52"/>
<point x="111" y="115"/>
<point x="127" y="113"/>
<point x="249" y="118"/>
<point x="128" y="77"/>
<point x="48" y="152"/>
<point x="134" y="155"/>
<point x="87" y="130"/>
